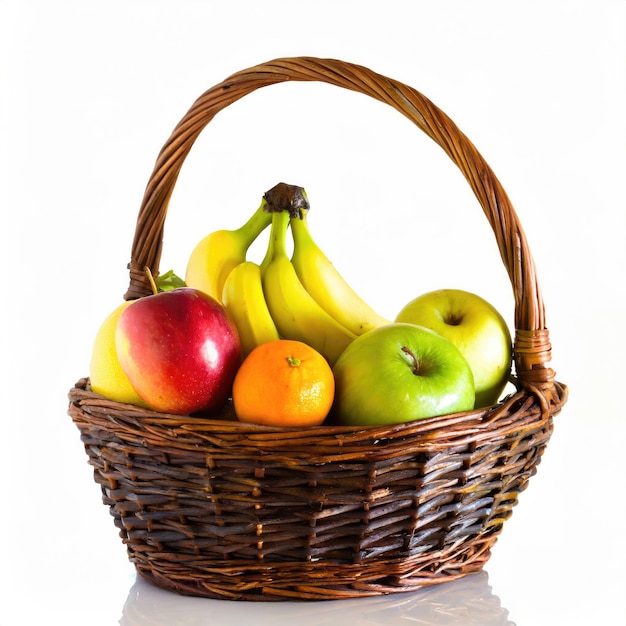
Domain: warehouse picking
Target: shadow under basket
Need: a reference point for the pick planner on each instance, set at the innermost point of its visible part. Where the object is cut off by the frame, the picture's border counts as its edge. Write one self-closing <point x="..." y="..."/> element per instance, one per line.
<point x="222" y="509"/>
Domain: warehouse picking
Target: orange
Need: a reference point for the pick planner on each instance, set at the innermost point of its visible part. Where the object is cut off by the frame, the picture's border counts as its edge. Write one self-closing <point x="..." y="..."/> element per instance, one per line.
<point x="283" y="383"/>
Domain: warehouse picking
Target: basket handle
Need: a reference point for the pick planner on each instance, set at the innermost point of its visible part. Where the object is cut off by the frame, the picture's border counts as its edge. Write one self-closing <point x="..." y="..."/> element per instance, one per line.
<point x="531" y="346"/>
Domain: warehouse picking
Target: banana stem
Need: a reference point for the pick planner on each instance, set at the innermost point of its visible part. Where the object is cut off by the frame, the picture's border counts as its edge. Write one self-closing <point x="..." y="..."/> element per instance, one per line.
<point x="257" y="223"/>
<point x="300" y="230"/>
<point x="277" y="244"/>
<point x="284" y="197"/>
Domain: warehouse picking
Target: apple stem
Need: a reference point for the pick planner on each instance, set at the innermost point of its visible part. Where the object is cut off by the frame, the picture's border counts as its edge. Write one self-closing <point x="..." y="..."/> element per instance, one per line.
<point x="453" y="319"/>
<point x="284" y="197"/>
<point x="153" y="284"/>
<point x="412" y="359"/>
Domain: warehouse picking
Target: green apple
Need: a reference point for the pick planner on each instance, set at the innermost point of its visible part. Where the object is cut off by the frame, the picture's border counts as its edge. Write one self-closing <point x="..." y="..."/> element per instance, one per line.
<point x="399" y="373"/>
<point x="475" y="327"/>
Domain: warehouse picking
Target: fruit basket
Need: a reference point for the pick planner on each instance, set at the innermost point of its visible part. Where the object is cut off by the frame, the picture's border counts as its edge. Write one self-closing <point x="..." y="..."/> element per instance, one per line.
<point x="222" y="509"/>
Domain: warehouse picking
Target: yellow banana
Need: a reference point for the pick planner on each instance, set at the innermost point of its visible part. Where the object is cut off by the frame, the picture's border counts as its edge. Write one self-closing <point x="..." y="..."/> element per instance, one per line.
<point x="293" y="309"/>
<point x="326" y="285"/>
<point x="213" y="258"/>
<point x="244" y="300"/>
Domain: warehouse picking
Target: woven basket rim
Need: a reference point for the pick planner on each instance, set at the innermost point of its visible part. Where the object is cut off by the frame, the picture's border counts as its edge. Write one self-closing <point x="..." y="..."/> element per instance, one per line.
<point x="443" y="430"/>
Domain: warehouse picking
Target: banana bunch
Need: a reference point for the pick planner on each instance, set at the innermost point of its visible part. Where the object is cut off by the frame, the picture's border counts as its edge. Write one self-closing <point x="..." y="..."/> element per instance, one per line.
<point x="301" y="297"/>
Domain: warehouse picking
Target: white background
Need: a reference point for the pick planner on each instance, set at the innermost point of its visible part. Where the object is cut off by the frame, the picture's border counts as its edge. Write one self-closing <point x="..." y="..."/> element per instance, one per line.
<point x="89" y="92"/>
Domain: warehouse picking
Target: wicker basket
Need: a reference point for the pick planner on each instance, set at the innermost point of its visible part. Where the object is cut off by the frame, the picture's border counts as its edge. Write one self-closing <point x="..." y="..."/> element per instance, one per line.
<point x="216" y="508"/>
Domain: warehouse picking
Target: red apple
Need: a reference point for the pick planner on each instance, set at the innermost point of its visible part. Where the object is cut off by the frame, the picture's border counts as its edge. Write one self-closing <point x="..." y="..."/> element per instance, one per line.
<point x="180" y="351"/>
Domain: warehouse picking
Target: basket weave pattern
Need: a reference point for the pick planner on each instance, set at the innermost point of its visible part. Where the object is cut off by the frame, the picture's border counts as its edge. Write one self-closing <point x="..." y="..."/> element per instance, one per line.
<point x="216" y="508"/>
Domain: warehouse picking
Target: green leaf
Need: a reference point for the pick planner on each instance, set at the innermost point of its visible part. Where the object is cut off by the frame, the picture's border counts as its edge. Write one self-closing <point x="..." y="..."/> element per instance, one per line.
<point x="169" y="281"/>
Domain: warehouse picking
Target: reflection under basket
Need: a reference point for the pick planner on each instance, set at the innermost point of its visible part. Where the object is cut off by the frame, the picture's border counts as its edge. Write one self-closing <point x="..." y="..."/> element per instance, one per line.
<point x="465" y="602"/>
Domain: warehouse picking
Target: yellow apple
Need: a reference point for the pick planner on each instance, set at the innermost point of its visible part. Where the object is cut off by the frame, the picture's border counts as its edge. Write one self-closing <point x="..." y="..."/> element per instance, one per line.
<point x="105" y="370"/>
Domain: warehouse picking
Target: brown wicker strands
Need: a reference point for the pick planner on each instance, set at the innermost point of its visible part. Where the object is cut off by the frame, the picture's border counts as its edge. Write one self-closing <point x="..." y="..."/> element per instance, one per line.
<point x="216" y="508"/>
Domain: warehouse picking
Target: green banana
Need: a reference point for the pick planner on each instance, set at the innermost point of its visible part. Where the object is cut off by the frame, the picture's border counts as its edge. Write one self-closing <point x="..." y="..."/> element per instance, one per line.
<point x="243" y="298"/>
<point x="217" y="254"/>
<point x="294" y="311"/>
<point x="326" y="285"/>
